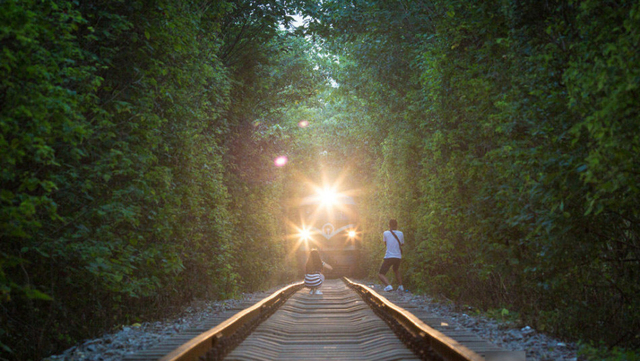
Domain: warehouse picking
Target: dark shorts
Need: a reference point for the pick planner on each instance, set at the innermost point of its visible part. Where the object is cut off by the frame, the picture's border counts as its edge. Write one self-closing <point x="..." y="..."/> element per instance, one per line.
<point x="389" y="262"/>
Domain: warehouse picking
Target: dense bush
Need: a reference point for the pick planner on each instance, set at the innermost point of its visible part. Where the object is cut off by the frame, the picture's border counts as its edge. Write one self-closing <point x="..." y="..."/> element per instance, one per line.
<point x="137" y="141"/>
<point x="506" y="143"/>
<point x="117" y="133"/>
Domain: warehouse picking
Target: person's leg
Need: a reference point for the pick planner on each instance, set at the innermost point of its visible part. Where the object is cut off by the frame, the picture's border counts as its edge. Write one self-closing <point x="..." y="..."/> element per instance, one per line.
<point x="384" y="279"/>
<point x="396" y="271"/>
<point x="318" y="292"/>
<point x="384" y="268"/>
<point x="399" y="279"/>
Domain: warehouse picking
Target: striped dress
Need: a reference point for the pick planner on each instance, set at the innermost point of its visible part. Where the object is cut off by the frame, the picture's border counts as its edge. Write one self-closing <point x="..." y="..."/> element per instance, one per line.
<point x="314" y="279"/>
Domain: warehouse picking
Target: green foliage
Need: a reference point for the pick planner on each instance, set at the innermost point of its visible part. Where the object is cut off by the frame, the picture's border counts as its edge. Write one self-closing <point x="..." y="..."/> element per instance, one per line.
<point x="119" y="195"/>
<point x="589" y="352"/>
<point x="506" y="147"/>
<point x="273" y="75"/>
<point x="137" y="142"/>
<point x="504" y="316"/>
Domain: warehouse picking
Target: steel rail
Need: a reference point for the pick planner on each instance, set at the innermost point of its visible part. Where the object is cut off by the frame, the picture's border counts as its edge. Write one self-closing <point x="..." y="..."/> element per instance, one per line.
<point x="420" y="337"/>
<point x="425" y="341"/>
<point x="217" y="337"/>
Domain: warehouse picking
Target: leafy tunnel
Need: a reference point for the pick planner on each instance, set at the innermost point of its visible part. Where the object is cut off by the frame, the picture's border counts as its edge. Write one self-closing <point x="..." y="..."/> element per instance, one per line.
<point x="151" y="150"/>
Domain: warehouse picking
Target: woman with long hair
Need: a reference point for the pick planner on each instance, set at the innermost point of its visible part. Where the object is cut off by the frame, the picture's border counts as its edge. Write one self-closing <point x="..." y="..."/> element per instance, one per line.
<point x="313" y="277"/>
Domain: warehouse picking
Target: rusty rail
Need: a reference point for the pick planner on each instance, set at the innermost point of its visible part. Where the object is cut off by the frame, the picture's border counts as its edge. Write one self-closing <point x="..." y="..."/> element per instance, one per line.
<point x="217" y="342"/>
<point x="425" y="341"/>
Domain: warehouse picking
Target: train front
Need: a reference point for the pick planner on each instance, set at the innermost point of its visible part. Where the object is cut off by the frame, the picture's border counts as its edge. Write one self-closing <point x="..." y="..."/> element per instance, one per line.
<point x="329" y="222"/>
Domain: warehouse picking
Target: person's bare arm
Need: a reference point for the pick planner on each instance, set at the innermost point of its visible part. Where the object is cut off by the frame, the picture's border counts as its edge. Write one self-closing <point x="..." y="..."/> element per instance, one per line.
<point x="327" y="266"/>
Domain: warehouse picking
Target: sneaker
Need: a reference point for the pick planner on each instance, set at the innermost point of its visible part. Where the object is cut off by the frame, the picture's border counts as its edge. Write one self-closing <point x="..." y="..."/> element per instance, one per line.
<point x="318" y="292"/>
<point x="389" y="288"/>
<point x="311" y="292"/>
<point x="400" y="288"/>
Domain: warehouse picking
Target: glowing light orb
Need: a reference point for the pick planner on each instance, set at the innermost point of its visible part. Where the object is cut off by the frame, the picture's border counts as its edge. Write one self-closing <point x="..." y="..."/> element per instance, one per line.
<point x="352" y="234"/>
<point x="305" y="234"/>
<point x="303" y="123"/>
<point x="328" y="196"/>
<point x="281" y="161"/>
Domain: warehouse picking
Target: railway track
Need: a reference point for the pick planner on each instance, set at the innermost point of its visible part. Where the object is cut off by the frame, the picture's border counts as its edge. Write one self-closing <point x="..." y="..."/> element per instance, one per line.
<point x="348" y="322"/>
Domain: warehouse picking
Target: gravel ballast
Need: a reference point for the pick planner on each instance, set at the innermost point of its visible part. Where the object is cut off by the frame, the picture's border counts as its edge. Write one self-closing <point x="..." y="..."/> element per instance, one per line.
<point x="538" y="346"/>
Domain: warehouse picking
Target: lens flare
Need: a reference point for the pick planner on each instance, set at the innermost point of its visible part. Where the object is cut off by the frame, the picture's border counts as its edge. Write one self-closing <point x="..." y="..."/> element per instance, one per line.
<point x="328" y="196"/>
<point x="352" y="234"/>
<point x="305" y="234"/>
<point x="303" y="123"/>
<point x="281" y="161"/>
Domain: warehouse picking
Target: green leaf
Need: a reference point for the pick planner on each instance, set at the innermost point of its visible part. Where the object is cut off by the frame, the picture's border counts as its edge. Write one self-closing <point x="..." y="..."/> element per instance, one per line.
<point x="35" y="294"/>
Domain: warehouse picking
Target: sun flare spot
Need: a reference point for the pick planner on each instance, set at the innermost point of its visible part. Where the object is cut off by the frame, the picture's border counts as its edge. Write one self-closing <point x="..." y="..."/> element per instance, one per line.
<point x="281" y="161"/>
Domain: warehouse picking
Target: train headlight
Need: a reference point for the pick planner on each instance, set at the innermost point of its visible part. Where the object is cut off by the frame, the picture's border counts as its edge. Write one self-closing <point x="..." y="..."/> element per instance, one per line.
<point x="305" y="234"/>
<point x="352" y="234"/>
<point x="328" y="196"/>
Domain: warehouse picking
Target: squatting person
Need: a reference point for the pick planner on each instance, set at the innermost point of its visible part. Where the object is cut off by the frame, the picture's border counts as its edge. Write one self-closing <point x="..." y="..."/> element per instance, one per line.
<point x="313" y="277"/>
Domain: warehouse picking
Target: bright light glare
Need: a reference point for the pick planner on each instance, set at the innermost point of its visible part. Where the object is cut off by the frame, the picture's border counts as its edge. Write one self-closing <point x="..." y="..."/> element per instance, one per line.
<point x="305" y="234"/>
<point x="352" y="234"/>
<point x="328" y="196"/>
<point x="280" y="161"/>
<point x="303" y="123"/>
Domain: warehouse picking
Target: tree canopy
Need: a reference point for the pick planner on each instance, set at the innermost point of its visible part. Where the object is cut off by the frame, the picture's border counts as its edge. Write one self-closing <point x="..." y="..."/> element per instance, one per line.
<point x="137" y="141"/>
